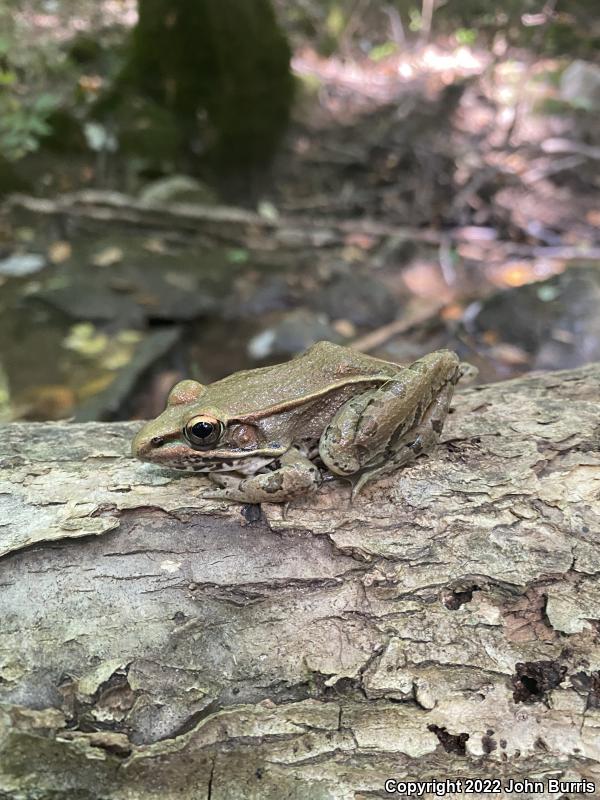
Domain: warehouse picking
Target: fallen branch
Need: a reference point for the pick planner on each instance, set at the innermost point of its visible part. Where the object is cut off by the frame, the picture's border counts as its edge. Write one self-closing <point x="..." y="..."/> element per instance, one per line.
<point x="158" y="644"/>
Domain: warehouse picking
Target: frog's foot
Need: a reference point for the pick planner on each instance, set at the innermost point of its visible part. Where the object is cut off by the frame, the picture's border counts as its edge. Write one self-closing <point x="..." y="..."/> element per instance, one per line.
<point x="468" y="372"/>
<point x="294" y="476"/>
<point x="420" y="439"/>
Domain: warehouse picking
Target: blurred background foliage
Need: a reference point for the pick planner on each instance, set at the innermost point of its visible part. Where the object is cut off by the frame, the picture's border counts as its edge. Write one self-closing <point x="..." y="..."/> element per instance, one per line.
<point x="198" y="186"/>
<point x="224" y="63"/>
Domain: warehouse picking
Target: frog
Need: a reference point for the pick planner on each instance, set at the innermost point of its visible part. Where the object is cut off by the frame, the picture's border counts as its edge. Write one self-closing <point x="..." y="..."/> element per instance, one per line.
<point x="275" y="433"/>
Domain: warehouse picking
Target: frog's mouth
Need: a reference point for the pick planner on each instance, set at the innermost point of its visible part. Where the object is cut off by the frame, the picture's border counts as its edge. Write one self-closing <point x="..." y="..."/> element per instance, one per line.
<point x="177" y="455"/>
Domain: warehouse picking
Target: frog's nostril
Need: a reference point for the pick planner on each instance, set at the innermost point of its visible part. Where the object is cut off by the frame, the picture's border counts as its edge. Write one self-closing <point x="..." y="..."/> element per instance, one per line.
<point x="157" y="441"/>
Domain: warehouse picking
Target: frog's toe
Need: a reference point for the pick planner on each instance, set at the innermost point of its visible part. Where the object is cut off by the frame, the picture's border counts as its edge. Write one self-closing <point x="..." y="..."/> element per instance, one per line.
<point x="359" y="484"/>
<point x="227" y="494"/>
<point x="229" y="489"/>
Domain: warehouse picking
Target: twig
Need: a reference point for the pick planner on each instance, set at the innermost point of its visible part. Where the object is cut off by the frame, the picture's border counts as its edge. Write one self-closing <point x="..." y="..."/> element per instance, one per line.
<point x="376" y="338"/>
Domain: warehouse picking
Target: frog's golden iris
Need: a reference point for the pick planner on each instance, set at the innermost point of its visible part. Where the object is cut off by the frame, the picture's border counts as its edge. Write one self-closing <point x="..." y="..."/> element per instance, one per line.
<point x="203" y="431"/>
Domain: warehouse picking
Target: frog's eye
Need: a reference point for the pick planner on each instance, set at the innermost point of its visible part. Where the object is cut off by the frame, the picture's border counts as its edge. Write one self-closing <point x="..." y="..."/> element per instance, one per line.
<point x="203" y="431"/>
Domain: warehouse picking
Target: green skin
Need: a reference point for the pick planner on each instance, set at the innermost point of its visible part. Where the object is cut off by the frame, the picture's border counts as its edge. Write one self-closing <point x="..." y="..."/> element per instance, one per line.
<point x="330" y="410"/>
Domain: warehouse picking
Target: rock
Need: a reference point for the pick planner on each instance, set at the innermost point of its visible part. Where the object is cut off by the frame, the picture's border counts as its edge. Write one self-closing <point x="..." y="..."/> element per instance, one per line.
<point x="555" y="321"/>
<point x="296" y="331"/>
<point x="21" y="264"/>
<point x="359" y="298"/>
<point x="250" y="299"/>
<point x="94" y="303"/>
<point x="580" y="85"/>
<point x="178" y="188"/>
<point x="146" y="294"/>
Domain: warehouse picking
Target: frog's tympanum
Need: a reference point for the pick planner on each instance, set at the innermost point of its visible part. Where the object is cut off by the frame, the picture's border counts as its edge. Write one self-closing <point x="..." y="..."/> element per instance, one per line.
<point x="272" y="434"/>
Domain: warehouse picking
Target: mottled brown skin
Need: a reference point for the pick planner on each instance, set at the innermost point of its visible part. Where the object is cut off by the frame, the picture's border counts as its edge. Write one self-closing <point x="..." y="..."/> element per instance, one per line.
<point x="277" y="430"/>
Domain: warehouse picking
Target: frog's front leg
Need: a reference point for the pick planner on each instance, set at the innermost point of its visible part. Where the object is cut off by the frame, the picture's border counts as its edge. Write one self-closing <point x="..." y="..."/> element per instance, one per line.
<point x="383" y="428"/>
<point x="295" y="475"/>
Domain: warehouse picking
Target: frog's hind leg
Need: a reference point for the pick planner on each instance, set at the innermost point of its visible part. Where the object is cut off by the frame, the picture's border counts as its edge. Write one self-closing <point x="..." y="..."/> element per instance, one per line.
<point x="413" y="443"/>
<point x="384" y="428"/>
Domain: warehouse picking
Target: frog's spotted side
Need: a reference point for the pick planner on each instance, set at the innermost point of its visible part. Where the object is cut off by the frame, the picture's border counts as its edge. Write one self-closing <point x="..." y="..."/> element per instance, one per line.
<point x="278" y="429"/>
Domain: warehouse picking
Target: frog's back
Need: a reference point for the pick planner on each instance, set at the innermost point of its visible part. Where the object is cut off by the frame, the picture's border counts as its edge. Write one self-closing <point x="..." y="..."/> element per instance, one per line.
<point x="322" y="366"/>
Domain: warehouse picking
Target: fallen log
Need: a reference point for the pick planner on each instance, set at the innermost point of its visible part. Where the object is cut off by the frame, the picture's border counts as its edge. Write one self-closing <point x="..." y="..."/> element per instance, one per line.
<point x="446" y="626"/>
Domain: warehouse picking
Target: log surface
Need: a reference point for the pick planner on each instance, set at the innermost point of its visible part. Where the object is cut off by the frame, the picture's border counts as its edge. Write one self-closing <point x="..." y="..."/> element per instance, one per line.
<point x="157" y="644"/>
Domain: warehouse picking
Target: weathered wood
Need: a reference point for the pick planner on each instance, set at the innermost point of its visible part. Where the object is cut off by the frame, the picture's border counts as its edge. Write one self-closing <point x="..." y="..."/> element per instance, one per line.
<point x="156" y="644"/>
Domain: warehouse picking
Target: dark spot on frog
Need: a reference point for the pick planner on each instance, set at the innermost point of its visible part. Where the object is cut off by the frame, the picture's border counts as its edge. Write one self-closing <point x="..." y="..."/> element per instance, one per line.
<point x="437" y="425"/>
<point x="259" y="773"/>
<point x="157" y="441"/>
<point x="488" y="745"/>
<point x="275" y="482"/>
<point x="179" y="617"/>
<point x="252" y="513"/>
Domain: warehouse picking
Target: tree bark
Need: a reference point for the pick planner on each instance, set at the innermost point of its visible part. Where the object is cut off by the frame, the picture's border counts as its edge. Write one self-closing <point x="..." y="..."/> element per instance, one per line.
<point x="227" y="61"/>
<point x="157" y="644"/>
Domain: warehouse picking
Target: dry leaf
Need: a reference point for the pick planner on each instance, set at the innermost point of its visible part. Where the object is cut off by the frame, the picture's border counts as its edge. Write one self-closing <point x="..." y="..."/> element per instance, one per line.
<point x="593" y="217"/>
<point x="49" y="401"/>
<point x="490" y="337"/>
<point x="344" y="327"/>
<point x="155" y="246"/>
<point x="509" y="354"/>
<point x="453" y="311"/>
<point x="59" y="251"/>
<point x="361" y="240"/>
<point x="514" y="273"/>
<point x="108" y="257"/>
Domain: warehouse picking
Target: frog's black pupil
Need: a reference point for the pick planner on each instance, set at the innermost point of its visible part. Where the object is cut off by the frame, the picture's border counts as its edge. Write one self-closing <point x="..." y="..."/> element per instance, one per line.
<point x="203" y="429"/>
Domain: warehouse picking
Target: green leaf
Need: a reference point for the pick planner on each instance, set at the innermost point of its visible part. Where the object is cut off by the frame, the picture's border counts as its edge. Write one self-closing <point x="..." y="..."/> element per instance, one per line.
<point x="335" y="22"/>
<point x="45" y="103"/>
<point x="237" y="255"/>
<point x="416" y="20"/>
<point x="465" y="35"/>
<point x="7" y="78"/>
<point x="382" y="51"/>
<point x="39" y="126"/>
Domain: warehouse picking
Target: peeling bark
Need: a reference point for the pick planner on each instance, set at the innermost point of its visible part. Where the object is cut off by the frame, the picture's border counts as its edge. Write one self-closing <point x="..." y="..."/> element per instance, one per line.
<point x="157" y="644"/>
